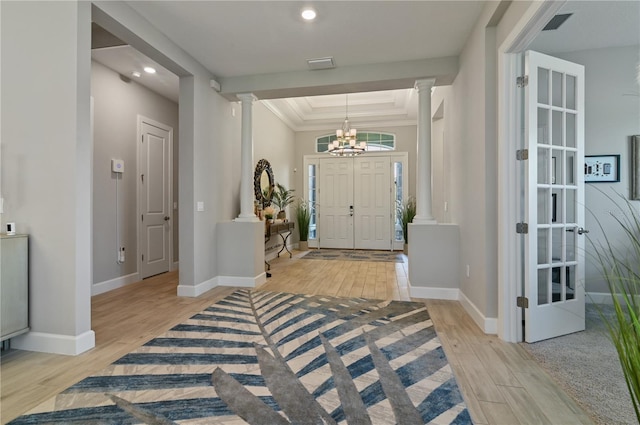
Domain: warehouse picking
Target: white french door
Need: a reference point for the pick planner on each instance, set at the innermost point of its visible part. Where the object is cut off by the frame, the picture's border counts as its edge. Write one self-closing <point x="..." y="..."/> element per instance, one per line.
<point x="335" y="200"/>
<point x="372" y="196"/>
<point x="554" y="201"/>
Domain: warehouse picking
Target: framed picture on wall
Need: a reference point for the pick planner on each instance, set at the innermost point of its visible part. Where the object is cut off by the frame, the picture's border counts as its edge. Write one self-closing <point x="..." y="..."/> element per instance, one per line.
<point x="601" y="168"/>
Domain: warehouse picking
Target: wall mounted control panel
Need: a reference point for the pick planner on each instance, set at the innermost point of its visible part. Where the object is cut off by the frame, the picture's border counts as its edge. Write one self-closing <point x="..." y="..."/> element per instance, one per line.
<point x="117" y="166"/>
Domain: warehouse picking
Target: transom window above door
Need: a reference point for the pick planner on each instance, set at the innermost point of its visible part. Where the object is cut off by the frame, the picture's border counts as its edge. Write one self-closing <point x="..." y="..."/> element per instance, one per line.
<point x="375" y="141"/>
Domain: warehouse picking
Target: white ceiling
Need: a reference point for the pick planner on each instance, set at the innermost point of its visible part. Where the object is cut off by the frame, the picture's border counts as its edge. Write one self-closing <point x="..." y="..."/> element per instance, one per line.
<point x="236" y="38"/>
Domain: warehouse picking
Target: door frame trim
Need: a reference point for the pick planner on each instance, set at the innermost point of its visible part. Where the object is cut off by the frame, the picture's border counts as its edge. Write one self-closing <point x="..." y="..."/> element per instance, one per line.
<point x="140" y="120"/>
<point x="395" y="156"/>
<point x="509" y="264"/>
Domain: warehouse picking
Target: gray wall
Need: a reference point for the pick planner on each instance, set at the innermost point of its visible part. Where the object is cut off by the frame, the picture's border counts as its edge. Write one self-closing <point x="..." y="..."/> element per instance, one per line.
<point x="406" y="141"/>
<point x="612" y="115"/>
<point x="117" y="104"/>
<point x="46" y="163"/>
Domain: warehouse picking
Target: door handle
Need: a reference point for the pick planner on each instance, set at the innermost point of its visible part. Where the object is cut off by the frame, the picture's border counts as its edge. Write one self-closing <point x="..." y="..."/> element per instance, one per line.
<point x="582" y="231"/>
<point x="351" y="210"/>
<point x="167" y="218"/>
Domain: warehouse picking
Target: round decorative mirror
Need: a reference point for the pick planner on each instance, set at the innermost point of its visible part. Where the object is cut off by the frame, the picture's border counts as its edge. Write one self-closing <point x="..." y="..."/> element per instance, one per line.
<point x="263" y="183"/>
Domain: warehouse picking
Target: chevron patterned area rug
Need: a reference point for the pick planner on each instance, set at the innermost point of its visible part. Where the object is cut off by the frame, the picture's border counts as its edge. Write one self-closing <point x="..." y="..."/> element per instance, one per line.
<point x="353" y="255"/>
<point x="265" y="358"/>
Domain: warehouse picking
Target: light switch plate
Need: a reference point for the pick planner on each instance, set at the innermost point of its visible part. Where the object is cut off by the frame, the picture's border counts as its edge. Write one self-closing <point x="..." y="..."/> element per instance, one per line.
<point x="200" y="206"/>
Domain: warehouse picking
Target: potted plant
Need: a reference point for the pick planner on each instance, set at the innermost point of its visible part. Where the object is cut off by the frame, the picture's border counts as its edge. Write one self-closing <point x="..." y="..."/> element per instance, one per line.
<point x="406" y="212"/>
<point x="620" y="269"/>
<point x="303" y="217"/>
<point x="282" y="197"/>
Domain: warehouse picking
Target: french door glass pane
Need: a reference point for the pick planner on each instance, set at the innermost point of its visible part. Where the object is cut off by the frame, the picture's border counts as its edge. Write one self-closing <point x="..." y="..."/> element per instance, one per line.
<point x="570" y="168"/>
<point x="543" y="86"/>
<point x="543" y="126"/>
<point x="543" y="286"/>
<point x="543" y="240"/>
<point x="571" y="92"/>
<point x="543" y="166"/>
<point x="571" y="130"/>
<point x="557" y="128"/>
<point x="544" y="206"/>
<point x="557" y="89"/>
<point x="570" y="283"/>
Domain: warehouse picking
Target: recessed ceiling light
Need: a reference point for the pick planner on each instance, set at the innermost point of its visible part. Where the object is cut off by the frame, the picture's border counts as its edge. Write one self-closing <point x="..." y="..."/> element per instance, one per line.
<point x="136" y="74"/>
<point x="308" y="14"/>
<point x="149" y="70"/>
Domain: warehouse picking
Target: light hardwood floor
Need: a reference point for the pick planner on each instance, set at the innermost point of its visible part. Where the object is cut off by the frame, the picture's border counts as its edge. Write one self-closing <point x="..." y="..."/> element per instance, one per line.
<point x="500" y="382"/>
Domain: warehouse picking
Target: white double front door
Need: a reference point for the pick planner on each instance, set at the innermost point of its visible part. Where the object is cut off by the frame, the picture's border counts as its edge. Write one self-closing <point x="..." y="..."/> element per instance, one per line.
<point x="355" y="203"/>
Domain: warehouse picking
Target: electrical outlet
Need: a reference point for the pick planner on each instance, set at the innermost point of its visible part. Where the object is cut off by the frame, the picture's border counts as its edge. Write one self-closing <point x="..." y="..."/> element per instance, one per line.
<point x="468" y="271"/>
<point x="121" y="255"/>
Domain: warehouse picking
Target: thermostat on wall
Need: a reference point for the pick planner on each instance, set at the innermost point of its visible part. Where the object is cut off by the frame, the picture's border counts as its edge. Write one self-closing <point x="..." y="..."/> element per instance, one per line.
<point x="117" y="166"/>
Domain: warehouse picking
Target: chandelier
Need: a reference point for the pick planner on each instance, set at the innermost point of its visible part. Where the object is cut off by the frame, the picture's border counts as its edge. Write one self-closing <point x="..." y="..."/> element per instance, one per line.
<point x="346" y="143"/>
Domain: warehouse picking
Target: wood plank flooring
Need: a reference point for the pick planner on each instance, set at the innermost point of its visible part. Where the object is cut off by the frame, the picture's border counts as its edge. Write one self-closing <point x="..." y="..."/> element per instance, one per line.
<point x="500" y="382"/>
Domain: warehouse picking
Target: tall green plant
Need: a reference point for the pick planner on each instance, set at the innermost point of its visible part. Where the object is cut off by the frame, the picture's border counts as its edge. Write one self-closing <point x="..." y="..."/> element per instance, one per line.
<point x="303" y="217"/>
<point x="406" y="212"/>
<point x="620" y="266"/>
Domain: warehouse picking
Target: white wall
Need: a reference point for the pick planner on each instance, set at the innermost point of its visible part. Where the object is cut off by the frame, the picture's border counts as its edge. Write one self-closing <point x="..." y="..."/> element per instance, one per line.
<point x="470" y="128"/>
<point x="612" y="115"/>
<point x="275" y="141"/>
<point x="406" y="141"/>
<point x="46" y="164"/>
<point x="117" y="104"/>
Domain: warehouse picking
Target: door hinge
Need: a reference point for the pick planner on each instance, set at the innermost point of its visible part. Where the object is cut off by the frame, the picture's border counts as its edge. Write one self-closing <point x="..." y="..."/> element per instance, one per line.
<point x="522" y="154"/>
<point x="522" y="81"/>
<point x="522" y="302"/>
<point x="522" y="228"/>
<point x="141" y="217"/>
<point x="142" y="257"/>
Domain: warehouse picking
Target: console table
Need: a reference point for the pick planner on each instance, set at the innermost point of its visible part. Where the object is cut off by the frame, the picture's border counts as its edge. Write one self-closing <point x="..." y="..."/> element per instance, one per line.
<point x="284" y="230"/>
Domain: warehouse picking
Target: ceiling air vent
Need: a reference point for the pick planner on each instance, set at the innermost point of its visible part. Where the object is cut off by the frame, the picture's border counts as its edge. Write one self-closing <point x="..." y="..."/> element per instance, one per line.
<point x="321" y="63"/>
<point x="556" y="21"/>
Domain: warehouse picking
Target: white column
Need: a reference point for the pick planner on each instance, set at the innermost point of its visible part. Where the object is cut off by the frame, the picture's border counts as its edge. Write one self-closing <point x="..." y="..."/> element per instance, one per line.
<point x="424" y="214"/>
<point x="246" y="184"/>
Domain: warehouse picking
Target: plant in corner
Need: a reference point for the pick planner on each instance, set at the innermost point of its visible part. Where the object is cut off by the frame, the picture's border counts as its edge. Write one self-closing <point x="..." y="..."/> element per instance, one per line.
<point x="282" y="197"/>
<point x="620" y="268"/>
<point x="303" y="217"/>
<point x="406" y="211"/>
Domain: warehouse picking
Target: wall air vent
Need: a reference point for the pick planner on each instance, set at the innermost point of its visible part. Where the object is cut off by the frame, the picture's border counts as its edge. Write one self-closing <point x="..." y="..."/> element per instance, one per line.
<point x="321" y="63"/>
<point x="556" y="21"/>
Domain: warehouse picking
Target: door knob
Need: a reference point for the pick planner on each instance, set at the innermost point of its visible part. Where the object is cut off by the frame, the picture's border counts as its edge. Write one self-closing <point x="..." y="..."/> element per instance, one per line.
<point x="167" y="218"/>
<point x="582" y="231"/>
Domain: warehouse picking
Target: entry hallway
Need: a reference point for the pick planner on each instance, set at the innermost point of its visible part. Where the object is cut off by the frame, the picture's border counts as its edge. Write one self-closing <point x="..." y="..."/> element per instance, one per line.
<point x="501" y="384"/>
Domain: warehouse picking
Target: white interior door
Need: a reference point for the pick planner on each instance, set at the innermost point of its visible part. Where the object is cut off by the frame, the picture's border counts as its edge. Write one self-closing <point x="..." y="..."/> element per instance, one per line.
<point x="154" y="201"/>
<point x="335" y="203"/>
<point x="373" y="216"/>
<point x="554" y="205"/>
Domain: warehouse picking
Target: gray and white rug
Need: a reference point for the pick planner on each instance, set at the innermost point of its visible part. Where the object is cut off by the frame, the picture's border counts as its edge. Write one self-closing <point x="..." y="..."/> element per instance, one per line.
<point x="354" y="255"/>
<point x="267" y="358"/>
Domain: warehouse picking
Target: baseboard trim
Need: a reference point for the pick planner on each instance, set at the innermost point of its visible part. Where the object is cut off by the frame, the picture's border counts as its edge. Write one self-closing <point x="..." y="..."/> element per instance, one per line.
<point x="489" y="325"/>
<point x="242" y="282"/>
<point x="110" y="285"/>
<point x="55" y="344"/>
<point x="197" y="290"/>
<point x="434" y="293"/>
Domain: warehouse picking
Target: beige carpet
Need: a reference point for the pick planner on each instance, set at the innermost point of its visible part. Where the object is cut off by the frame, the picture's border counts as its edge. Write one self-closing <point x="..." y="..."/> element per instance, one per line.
<point x="586" y="365"/>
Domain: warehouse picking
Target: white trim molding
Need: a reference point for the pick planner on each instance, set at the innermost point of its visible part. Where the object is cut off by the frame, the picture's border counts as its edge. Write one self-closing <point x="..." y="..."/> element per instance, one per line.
<point x="55" y="344"/>
<point x="110" y="285"/>
<point x="197" y="290"/>
<point x="434" y="293"/>
<point x="242" y="282"/>
<point x="489" y="325"/>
